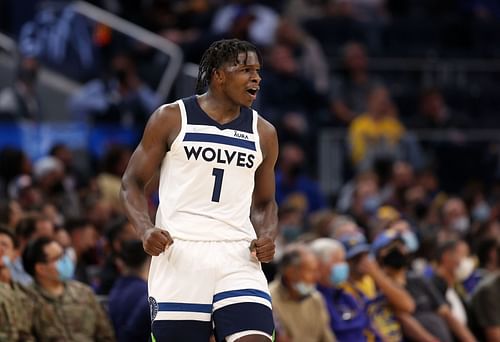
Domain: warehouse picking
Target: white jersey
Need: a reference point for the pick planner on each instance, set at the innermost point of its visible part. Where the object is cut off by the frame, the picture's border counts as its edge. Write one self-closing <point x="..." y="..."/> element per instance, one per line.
<point x="207" y="176"/>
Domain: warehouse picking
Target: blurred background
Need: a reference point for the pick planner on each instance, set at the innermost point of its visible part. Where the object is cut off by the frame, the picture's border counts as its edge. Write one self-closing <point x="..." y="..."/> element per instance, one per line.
<point x="386" y="110"/>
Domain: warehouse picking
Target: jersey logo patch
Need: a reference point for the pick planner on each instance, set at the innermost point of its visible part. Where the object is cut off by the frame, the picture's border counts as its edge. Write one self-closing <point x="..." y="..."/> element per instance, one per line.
<point x="153" y="306"/>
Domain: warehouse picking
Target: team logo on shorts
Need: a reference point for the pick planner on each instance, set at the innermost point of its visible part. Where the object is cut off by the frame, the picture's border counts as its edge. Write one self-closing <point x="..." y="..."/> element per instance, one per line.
<point x="153" y="305"/>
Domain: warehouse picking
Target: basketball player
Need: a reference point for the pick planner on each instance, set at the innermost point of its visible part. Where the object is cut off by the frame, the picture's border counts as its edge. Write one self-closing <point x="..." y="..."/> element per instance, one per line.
<point x="217" y="218"/>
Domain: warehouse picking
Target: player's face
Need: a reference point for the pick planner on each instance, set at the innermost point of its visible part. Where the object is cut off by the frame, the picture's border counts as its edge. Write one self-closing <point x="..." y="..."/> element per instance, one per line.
<point x="241" y="81"/>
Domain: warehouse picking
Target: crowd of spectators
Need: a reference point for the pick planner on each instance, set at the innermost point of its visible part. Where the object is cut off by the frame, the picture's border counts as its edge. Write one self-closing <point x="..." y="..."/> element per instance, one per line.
<point x="408" y="246"/>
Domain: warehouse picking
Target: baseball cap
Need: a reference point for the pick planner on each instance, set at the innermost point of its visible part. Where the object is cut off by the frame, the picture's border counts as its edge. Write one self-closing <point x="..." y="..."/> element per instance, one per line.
<point x="388" y="213"/>
<point x="384" y="239"/>
<point x="354" y="244"/>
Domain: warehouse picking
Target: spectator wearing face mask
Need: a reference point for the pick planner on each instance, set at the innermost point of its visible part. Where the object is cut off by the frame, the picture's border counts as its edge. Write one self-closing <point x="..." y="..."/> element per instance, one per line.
<point x="299" y="309"/>
<point x="455" y="220"/>
<point x="467" y="272"/>
<point x="84" y="241"/>
<point x="370" y="285"/>
<point x="65" y="310"/>
<point x="432" y="320"/>
<point x="348" y="317"/>
<point x="446" y="281"/>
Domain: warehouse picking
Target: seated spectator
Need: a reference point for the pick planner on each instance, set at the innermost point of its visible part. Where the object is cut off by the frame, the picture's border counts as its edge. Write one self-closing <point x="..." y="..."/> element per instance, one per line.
<point x="344" y="226"/>
<point x="30" y="227"/>
<point x="467" y="272"/>
<point x="370" y="285"/>
<point x="446" y="282"/>
<point x="84" y="241"/>
<point x="299" y="309"/>
<point x="65" y="310"/>
<point x="485" y="303"/>
<point x="365" y="201"/>
<point x="351" y="89"/>
<point x="455" y="220"/>
<point x="117" y="233"/>
<point x="10" y="214"/>
<point x="348" y="316"/>
<point x="487" y="254"/>
<point x="128" y="300"/>
<point x="310" y="56"/>
<point x="21" y="102"/>
<point x="121" y="98"/>
<point x="19" y="165"/>
<point x="321" y="224"/>
<point x="433" y="319"/>
<point x="435" y="113"/>
<point x="378" y="131"/>
<point x="49" y="174"/>
<point x="114" y="164"/>
<point x="284" y="89"/>
<point x="16" y="305"/>
<point x="291" y="178"/>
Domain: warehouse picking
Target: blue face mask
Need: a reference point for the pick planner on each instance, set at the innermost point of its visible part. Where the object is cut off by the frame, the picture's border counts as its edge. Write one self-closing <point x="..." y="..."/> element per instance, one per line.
<point x="481" y="212"/>
<point x="291" y="233"/>
<point x="411" y="241"/>
<point x="304" y="289"/>
<point x="65" y="267"/>
<point x="339" y="273"/>
<point x="6" y="261"/>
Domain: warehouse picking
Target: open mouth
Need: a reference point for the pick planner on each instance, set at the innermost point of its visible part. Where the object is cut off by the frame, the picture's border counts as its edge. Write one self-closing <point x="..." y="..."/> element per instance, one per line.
<point x="252" y="91"/>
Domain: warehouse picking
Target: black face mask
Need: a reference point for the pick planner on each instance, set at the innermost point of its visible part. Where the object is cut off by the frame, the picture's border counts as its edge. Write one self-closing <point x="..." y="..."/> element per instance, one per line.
<point x="395" y="259"/>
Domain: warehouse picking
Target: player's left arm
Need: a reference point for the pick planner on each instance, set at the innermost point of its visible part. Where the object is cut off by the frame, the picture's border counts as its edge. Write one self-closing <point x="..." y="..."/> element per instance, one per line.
<point x="264" y="211"/>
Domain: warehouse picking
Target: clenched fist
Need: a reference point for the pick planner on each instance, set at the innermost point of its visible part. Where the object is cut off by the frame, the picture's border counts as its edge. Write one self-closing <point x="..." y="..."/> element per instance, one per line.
<point x="156" y="240"/>
<point x="263" y="248"/>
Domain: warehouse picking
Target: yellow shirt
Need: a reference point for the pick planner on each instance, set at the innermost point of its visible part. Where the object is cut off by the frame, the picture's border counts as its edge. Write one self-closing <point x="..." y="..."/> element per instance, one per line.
<point x="365" y="133"/>
<point x="381" y="315"/>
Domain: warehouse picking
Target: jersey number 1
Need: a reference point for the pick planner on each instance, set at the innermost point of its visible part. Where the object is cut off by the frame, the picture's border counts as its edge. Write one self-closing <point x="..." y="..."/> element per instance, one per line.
<point x="218" y="174"/>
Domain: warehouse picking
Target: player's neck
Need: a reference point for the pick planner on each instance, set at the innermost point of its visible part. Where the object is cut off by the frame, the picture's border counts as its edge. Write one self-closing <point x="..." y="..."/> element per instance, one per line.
<point x="218" y="107"/>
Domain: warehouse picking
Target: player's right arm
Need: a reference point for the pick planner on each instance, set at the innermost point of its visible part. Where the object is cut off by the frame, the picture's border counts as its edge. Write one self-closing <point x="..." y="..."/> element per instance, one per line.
<point x="160" y="131"/>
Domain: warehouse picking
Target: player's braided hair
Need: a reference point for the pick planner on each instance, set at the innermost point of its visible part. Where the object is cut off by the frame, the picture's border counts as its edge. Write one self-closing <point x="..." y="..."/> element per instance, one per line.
<point x="219" y="53"/>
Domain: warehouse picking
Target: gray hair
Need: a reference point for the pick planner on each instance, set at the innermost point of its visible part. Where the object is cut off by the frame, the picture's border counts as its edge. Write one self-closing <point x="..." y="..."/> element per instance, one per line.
<point x="323" y="248"/>
<point x="292" y="256"/>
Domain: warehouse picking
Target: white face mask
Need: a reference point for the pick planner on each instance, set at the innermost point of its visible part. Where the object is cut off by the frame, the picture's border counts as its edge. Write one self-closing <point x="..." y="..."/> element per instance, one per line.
<point x="461" y="224"/>
<point x="465" y="268"/>
<point x="6" y="261"/>
<point x="304" y="289"/>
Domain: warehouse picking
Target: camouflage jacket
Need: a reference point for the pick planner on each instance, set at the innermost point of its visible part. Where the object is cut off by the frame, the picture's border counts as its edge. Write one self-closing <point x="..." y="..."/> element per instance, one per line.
<point x="76" y="315"/>
<point x="16" y="313"/>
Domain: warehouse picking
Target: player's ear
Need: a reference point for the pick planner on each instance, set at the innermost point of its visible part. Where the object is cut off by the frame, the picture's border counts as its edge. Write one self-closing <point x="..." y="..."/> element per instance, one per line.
<point x="218" y="75"/>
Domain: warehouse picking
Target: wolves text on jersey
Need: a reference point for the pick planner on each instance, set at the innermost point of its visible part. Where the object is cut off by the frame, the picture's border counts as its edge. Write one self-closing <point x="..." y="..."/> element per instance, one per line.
<point x="221" y="156"/>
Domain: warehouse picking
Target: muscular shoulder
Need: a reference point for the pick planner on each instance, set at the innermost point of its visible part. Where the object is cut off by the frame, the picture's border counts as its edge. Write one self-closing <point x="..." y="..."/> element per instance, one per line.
<point x="164" y="124"/>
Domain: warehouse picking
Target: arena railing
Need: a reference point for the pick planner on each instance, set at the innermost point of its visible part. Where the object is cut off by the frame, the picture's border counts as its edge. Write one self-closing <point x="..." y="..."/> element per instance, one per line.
<point x="132" y="30"/>
<point x="7" y="44"/>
